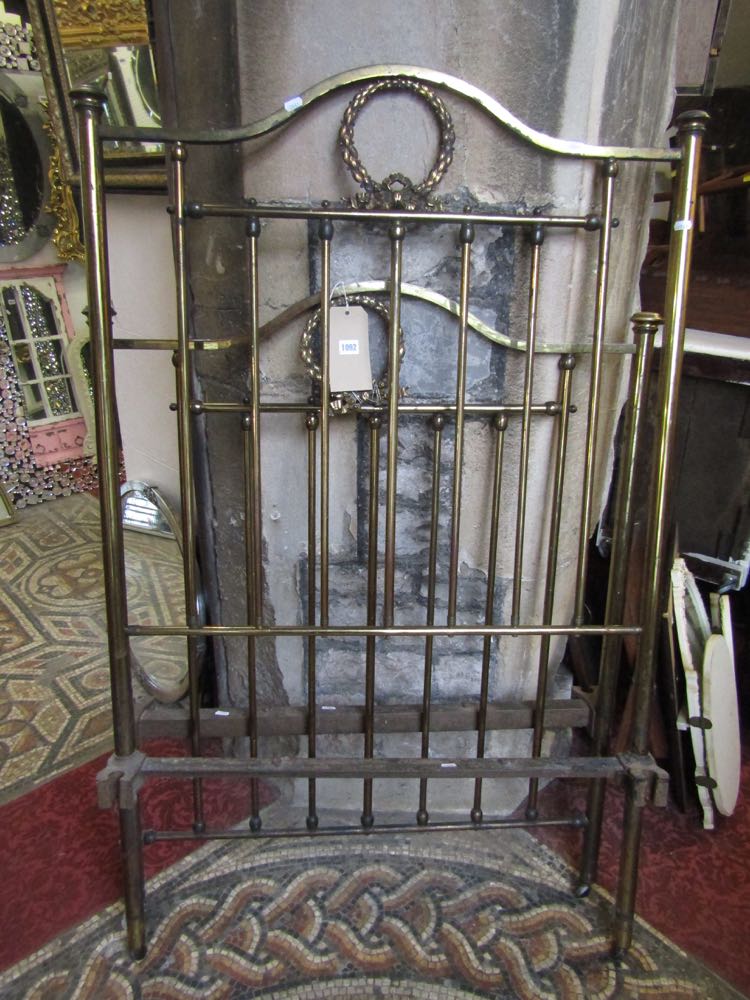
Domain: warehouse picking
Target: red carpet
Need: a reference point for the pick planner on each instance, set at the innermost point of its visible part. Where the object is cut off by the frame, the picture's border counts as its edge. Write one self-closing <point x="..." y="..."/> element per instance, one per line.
<point x="60" y="857"/>
<point x="694" y="884"/>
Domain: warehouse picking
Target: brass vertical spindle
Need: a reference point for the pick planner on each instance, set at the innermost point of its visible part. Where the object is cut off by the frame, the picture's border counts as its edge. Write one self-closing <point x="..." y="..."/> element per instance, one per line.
<point x="609" y="169"/>
<point x="691" y="127"/>
<point x="397" y="233"/>
<point x="325" y="232"/>
<point x="326" y="235"/>
<point x="89" y="105"/>
<point x="253" y="232"/>
<point x="536" y="237"/>
<point x="438" y="422"/>
<point x="466" y="238"/>
<point x="254" y="527"/>
<point x="187" y="476"/>
<point x="567" y="364"/>
<point x="500" y="424"/>
<point x="250" y="543"/>
<point x="645" y="326"/>
<point x="247" y="471"/>
<point x="367" y="818"/>
<point x="311" y="422"/>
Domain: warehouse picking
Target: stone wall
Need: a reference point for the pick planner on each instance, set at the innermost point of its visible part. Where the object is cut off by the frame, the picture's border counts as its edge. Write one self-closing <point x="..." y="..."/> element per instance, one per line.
<point x="599" y="73"/>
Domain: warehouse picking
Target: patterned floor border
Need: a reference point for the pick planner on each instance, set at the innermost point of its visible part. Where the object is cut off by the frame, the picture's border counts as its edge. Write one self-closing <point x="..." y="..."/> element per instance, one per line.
<point x="404" y="917"/>
<point x="54" y="680"/>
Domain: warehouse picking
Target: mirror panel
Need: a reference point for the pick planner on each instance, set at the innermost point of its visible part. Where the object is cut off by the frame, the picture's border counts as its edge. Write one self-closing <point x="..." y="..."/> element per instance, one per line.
<point x="104" y="42"/>
<point x="25" y="222"/>
<point x="21" y="176"/>
<point x="126" y="75"/>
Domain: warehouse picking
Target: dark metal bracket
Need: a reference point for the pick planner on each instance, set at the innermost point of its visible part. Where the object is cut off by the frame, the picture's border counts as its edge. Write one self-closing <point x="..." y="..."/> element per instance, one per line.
<point x="650" y="782"/>
<point x="120" y="780"/>
<point x="700" y="722"/>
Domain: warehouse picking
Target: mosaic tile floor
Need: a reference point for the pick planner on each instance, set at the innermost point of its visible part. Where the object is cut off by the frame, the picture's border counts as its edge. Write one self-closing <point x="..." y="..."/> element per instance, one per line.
<point x="405" y="917"/>
<point x="54" y="681"/>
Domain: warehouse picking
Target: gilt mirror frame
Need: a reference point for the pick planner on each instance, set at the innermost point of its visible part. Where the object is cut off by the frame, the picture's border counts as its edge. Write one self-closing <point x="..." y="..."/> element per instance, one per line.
<point x="60" y="25"/>
<point x="7" y="510"/>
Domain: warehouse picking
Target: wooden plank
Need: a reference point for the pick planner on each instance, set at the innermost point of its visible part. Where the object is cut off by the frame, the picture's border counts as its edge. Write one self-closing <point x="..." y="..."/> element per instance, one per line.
<point x="383" y="767"/>
<point x="291" y="720"/>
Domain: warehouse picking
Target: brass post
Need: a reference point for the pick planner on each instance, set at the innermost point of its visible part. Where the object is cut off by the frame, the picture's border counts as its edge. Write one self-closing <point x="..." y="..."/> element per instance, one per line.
<point x="326" y="235"/>
<point x="185" y="447"/>
<point x="567" y="364"/>
<point x="253" y="232"/>
<point x="438" y="422"/>
<point x="311" y="422"/>
<point x="536" y="236"/>
<point x="500" y="424"/>
<point x="254" y="528"/>
<point x="367" y="818"/>
<point x="629" y="858"/>
<point x="250" y="591"/>
<point x="691" y="128"/>
<point x="466" y="238"/>
<point x="609" y="169"/>
<point x="397" y="233"/>
<point x="645" y="326"/>
<point x="89" y="104"/>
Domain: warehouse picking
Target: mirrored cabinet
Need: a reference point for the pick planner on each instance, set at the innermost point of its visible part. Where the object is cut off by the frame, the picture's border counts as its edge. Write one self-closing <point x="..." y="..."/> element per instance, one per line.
<point x="49" y="416"/>
<point x="26" y="223"/>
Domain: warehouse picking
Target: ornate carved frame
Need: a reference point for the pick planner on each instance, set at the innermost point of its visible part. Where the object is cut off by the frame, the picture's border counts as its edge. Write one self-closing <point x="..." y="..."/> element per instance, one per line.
<point x="60" y="24"/>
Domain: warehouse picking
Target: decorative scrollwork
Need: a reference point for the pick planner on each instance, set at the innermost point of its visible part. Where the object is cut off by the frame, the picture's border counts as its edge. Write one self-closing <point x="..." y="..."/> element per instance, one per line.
<point x="62" y="206"/>
<point x="101" y="23"/>
<point x="344" y="402"/>
<point x="397" y="191"/>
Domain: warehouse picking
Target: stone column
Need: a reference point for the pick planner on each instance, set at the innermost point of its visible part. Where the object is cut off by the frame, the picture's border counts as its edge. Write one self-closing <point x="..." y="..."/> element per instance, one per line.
<point x="196" y="58"/>
<point x="589" y="71"/>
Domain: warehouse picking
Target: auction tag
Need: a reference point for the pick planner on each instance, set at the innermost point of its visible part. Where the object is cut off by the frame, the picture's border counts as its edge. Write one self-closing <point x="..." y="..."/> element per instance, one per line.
<point x="350" y="350"/>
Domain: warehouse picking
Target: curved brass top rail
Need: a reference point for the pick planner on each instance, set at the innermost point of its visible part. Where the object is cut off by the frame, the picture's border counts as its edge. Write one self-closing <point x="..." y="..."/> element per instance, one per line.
<point x="296" y="105"/>
<point x="442" y="302"/>
<point x="310" y="302"/>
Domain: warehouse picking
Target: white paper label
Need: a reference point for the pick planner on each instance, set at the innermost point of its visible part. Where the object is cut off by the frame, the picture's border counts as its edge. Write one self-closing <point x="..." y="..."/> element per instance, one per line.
<point x="293" y="103"/>
<point x="682" y="224"/>
<point x="350" y="350"/>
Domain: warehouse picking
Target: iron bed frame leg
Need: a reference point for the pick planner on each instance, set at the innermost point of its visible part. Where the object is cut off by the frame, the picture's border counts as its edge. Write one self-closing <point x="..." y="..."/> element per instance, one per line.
<point x="645" y="326"/>
<point x="630" y="854"/>
<point x="89" y="104"/>
<point x="691" y="125"/>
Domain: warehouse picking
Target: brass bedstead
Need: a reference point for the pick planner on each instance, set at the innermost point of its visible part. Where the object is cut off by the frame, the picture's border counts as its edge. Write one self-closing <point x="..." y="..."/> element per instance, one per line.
<point x="395" y="209"/>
